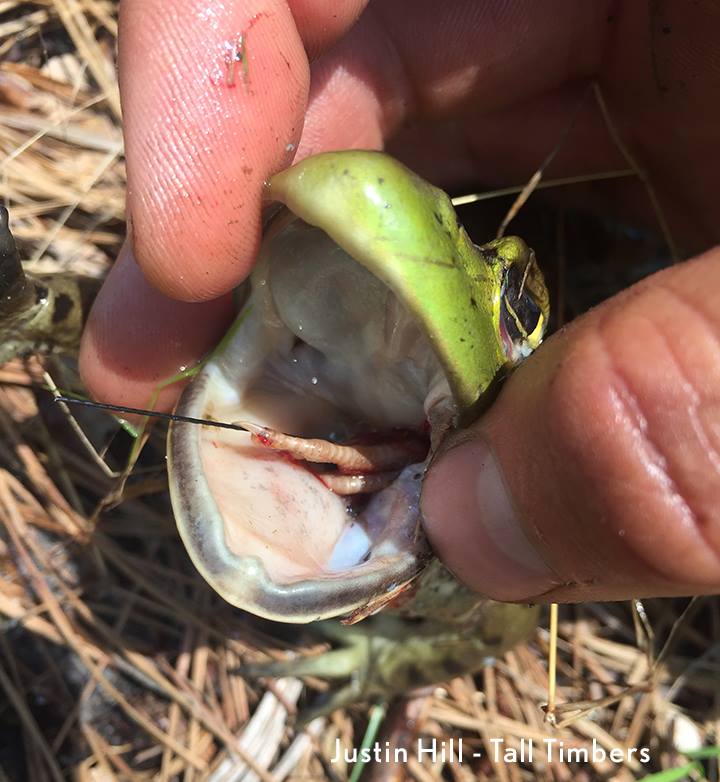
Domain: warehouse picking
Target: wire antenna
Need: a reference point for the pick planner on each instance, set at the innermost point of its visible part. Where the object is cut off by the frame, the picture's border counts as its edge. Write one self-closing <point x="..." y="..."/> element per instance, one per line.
<point x="185" y="419"/>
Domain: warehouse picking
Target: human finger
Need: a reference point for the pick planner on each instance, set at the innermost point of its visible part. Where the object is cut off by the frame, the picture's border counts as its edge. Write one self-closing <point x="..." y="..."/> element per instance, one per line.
<point x="596" y="474"/>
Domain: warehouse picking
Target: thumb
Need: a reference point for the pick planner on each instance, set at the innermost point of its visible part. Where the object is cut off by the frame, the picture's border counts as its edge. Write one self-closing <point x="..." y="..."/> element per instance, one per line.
<point x="596" y="474"/>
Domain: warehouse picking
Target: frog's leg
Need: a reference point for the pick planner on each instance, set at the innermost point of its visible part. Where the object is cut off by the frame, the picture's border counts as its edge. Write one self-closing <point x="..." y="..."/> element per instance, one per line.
<point x="388" y="654"/>
<point x="333" y="664"/>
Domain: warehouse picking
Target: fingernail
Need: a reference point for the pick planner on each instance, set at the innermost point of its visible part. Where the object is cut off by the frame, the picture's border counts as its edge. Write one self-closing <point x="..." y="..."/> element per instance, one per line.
<point x="472" y="525"/>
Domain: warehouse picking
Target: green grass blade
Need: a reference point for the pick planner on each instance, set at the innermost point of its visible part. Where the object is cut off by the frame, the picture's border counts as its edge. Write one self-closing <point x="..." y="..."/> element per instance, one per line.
<point x="702" y="754"/>
<point x="376" y="717"/>
<point x="673" y="774"/>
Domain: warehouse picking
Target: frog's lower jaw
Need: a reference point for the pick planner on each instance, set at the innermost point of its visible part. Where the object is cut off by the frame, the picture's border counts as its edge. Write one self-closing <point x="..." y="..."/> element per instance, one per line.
<point x="387" y="655"/>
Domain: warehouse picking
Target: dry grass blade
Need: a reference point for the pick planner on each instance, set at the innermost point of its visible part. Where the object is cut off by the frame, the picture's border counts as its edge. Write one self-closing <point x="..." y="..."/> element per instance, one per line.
<point x="536" y="178"/>
<point x="536" y="183"/>
<point x="577" y="709"/>
<point x="642" y="175"/>
<point x="551" y="710"/>
<point x="82" y="35"/>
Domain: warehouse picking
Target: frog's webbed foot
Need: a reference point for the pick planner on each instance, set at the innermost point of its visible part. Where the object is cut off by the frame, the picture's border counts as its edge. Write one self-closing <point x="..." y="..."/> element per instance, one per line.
<point x="388" y="655"/>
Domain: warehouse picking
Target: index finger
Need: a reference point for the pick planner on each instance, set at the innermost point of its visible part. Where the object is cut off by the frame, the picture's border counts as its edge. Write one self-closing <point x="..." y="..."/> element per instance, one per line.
<point x="213" y="99"/>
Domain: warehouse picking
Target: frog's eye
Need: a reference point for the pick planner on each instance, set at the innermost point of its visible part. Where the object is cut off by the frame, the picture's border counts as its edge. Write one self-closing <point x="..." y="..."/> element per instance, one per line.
<point x="521" y="312"/>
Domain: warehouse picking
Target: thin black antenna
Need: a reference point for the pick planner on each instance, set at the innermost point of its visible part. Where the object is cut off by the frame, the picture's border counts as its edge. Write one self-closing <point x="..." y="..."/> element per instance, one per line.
<point x="185" y="419"/>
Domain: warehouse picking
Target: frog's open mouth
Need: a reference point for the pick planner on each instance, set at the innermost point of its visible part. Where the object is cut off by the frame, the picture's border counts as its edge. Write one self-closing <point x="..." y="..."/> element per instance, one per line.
<point x="373" y="324"/>
<point x="322" y="350"/>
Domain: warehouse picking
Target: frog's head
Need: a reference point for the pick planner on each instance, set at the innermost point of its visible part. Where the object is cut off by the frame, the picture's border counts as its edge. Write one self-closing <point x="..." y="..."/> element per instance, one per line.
<point x="371" y="317"/>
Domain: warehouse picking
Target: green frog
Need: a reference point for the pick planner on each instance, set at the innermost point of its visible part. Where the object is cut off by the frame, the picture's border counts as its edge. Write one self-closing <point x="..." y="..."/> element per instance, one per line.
<point x="371" y="327"/>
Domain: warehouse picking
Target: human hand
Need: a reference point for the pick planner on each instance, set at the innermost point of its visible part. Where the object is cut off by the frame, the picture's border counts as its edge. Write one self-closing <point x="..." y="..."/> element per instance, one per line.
<point x="608" y="438"/>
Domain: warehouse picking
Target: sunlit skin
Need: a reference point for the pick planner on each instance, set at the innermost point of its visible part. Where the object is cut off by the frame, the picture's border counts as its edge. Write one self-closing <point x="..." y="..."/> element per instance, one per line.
<point x="608" y="438"/>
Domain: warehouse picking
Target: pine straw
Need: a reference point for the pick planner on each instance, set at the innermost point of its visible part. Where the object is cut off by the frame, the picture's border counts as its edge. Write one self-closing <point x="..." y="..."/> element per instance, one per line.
<point x="116" y="660"/>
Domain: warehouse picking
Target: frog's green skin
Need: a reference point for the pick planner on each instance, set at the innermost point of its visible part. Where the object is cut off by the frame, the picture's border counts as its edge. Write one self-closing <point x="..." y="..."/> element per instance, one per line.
<point x="38" y="312"/>
<point x="404" y="231"/>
